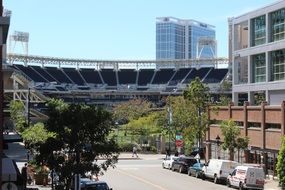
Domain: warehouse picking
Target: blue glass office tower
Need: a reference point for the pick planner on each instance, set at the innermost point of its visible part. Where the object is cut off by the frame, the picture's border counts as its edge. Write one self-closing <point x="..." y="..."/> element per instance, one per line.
<point x="178" y="39"/>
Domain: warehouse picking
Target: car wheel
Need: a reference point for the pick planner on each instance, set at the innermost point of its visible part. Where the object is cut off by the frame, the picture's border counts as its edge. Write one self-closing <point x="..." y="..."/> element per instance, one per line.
<point x="240" y="186"/>
<point x="189" y="172"/>
<point x="216" y="180"/>
<point x="203" y="177"/>
<point x="180" y="169"/>
<point x="228" y="183"/>
<point x="196" y="174"/>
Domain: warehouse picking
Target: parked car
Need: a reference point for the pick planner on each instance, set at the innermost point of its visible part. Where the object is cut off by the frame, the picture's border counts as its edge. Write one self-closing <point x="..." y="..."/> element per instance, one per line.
<point x="218" y="170"/>
<point x="199" y="151"/>
<point x="87" y="184"/>
<point x="183" y="163"/>
<point x="168" y="160"/>
<point x="195" y="170"/>
<point x="247" y="177"/>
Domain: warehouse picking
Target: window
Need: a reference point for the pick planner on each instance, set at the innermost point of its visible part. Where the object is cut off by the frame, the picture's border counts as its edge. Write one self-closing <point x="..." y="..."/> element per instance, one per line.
<point x="259" y="68"/>
<point x="258" y="30"/>
<point x="253" y="124"/>
<point x="278" y="65"/>
<point x="278" y="25"/>
<point x="273" y="126"/>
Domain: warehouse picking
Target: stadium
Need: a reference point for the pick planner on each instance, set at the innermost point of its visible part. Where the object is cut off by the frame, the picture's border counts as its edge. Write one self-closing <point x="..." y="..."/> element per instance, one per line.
<point x="35" y="79"/>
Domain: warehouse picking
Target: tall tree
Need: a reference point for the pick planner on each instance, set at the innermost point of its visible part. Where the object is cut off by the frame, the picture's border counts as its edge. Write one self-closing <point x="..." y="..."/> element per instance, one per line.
<point x="242" y="144"/>
<point x="224" y="88"/>
<point x="35" y="135"/>
<point x="281" y="164"/>
<point x="81" y="138"/>
<point x="230" y="132"/>
<point x="17" y="112"/>
<point x="197" y="94"/>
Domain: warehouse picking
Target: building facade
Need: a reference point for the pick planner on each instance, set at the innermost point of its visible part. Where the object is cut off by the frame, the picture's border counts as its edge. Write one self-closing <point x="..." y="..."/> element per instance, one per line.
<point x="264" y="125"/>
<point x="184" y="39"/>
<point x="257" y="52"/>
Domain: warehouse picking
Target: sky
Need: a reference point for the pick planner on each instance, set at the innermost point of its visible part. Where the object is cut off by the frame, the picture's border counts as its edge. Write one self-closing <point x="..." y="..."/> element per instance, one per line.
<point x="113" y="29"/>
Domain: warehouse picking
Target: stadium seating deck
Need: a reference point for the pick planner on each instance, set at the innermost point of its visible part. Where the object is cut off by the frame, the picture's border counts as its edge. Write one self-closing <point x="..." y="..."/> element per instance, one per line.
<point x="163" y="76"/>
<point x="58" y="74"/>
<point x="91" y="76"/>
<point x="201" y="73"/>
<point x="109" y="77"/>
<point x="74" y="76"/>
<point x="44" y="73"/>
<point x="179" y="76"/>
<point x="165" y="79"/>
<point x="127" y="76"/>
<point x="216" y="76"/>
<point x="145" y="76"/>
<point x="28" y="71"/>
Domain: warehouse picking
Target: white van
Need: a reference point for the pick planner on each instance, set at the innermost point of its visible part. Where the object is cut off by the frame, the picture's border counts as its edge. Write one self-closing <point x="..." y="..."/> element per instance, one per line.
<point x="247" y="177"/>
<point x="218" y="169"/>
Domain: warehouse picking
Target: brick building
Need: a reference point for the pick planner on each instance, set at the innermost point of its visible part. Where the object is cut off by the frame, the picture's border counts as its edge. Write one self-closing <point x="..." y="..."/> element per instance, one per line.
<point x="264" y="125"/>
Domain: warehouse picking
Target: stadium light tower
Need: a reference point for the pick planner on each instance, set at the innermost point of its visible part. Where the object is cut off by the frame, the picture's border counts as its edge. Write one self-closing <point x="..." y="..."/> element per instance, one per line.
<point x="206" y="42"/>
<point x="23" y="38"/>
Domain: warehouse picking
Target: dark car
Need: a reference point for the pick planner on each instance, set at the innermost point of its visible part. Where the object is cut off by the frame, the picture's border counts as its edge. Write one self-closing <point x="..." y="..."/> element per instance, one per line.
<point x="195" y="170"/>
<point x="87" y="184"/>
<point x="199" y="151"/>
<point x="183" y="163"/>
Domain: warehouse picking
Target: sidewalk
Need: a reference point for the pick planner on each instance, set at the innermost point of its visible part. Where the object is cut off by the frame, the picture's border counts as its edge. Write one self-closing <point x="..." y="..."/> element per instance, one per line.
<point x="141" y="156"/>
<point x="271" y="184"/>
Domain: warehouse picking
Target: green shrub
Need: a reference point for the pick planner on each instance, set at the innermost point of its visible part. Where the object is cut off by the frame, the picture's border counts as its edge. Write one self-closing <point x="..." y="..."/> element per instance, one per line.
<point x="281" y="165"/>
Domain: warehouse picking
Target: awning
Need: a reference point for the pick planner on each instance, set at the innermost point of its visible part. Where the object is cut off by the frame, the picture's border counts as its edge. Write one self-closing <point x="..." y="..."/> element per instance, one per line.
<point x="9" y="173"/>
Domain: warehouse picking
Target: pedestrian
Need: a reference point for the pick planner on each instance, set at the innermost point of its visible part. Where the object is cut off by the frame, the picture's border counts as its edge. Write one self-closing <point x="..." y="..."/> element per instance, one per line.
<point x="167" y="152"/>
<point x="135" y="152"/>
<point x="24" y="175"/>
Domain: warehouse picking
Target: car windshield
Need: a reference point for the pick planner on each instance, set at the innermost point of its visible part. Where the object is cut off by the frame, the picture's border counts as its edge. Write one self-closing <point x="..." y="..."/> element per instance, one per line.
<point x="198" y="165"/>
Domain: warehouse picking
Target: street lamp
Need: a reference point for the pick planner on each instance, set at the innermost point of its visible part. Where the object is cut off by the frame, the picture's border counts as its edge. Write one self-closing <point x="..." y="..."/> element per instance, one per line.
<point x="218" y="145"/>
<point x="169" y="110"/>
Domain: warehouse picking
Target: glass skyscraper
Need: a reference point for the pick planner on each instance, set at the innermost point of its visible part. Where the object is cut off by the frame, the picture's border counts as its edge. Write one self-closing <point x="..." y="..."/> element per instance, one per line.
<point x="178" y="39"/>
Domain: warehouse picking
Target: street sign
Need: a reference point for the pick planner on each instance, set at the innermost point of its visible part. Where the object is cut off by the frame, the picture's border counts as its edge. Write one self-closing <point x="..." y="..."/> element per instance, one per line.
<point x="178" y="137"/>
<point x="179" y="143"/>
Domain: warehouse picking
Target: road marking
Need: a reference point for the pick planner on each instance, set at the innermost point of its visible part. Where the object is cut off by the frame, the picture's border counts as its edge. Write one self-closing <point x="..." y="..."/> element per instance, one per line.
<point x="142" y="180"/>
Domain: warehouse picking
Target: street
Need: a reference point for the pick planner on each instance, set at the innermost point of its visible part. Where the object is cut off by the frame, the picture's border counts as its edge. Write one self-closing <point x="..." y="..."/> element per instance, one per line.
<point x="149" y="175"/>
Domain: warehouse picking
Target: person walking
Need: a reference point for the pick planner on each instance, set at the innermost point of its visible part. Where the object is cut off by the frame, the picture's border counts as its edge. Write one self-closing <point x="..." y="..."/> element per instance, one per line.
<point x="24" y="176"/>
<point x="135" y="152"/>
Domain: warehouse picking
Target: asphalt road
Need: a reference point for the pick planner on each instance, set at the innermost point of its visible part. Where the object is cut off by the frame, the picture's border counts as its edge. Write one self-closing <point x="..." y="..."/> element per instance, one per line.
<point x="149" y="175"/>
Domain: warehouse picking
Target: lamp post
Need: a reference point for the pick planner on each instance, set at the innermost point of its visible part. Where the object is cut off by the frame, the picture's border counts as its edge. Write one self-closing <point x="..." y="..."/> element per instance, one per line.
<point x="169" y="110"/>
<point x="199" y="129"/>
<point x="29" y="105"/>
<point x="218" y="145"/>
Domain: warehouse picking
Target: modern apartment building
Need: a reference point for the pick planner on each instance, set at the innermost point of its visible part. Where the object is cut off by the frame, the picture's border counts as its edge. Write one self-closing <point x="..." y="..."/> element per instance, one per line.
<point x="257" y="53"/>
<point x="184" y="39"/>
